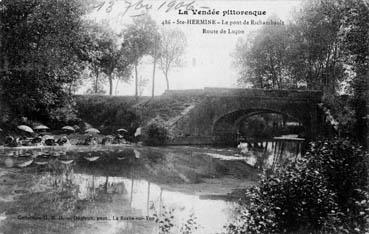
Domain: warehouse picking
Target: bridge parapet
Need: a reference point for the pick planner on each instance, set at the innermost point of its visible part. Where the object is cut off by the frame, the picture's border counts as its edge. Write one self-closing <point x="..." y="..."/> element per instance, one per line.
<point x="185" y="92"/>
<point x="252" y="93"/>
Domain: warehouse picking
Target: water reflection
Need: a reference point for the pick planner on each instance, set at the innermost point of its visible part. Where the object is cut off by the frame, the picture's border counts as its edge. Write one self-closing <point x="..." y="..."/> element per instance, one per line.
<point x="112" y="188"/>
<point x="270" y="154"/>
<point x="146" y="198"/>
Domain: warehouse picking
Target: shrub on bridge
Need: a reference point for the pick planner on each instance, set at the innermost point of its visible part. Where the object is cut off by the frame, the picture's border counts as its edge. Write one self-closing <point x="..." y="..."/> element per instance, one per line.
<point x="155" y="134"/>
<point x="324" y="192"/>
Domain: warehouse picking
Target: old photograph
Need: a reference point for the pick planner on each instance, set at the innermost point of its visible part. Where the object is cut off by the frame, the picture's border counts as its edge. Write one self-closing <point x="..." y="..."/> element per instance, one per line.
<point x="184" y="116"/>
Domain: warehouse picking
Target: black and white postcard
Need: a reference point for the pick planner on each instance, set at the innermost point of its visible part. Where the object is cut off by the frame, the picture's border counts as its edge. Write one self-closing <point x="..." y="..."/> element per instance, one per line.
<point x="184" y="116"/>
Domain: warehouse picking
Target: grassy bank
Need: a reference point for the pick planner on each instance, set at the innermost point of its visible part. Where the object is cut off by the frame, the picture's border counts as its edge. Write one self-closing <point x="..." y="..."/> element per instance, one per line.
<point x="109" y="113"/>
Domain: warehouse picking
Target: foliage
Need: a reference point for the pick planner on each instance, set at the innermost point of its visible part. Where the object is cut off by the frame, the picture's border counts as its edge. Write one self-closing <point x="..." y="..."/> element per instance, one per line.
<point x="96" y="82"/>
<point x="325" y="47"/>
<point x="4" y="110"/>
<point x="4" y="114"/>
<point x="172" y="47"/>
<point x="108" y="113"/>
<point x="355" y="38"/>
<point x="316" y="50"/>
<point x="264" y="63"/>
<point x="63" y="115"/>
<point x="139" y="39"/>
<point x="167" y="222"/>
<point x="106" y="56"/>
<point x="324" y="192"/>
<point x="344" y="165"/>
<point x="41" y="50"/>
<point x="155" y="134"/>
<point x="190" y="225"/>
<point x="294" y="198"/>
<point x="312" y="51"/>
<point x="340" y="114"/>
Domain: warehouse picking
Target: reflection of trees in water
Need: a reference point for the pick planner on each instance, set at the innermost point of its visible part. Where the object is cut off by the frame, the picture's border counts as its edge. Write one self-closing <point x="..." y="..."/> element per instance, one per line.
<point x="53" y="194"/>
<point x="270" y="154"/>
<point x="65" y="185"/>
<point x="258" y="153"/>
<point x="262" y="156"/>
<point x="102" y="195"/>
<point x="59" y="176"/>
<point x="106" y="191"/>
<point x="286" y="150"/>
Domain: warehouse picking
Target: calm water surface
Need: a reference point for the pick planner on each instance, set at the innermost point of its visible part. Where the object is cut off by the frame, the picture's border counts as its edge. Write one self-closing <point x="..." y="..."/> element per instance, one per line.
<point x="119" y="189"/>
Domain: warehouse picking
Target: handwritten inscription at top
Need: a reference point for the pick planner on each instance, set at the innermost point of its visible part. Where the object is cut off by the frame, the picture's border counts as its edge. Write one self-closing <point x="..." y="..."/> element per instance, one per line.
<point x="139" y="7"/>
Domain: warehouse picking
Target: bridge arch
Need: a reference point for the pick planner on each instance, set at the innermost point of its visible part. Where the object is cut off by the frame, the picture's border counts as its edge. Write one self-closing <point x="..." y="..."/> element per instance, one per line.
<point x="225" y="128"/>
<point x="242" y="118"/>
<point x="219" y="109"/>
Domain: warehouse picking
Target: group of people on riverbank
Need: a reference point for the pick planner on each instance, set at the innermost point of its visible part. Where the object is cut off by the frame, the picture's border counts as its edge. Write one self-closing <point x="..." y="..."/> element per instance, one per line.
<point x="25" y="136"/>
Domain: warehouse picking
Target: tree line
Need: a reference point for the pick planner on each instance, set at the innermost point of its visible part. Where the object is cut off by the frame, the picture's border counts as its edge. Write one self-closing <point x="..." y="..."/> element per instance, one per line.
<point x="324" y="47"/>
<point x="48" y="48"/>
<point x="118" y="55"/>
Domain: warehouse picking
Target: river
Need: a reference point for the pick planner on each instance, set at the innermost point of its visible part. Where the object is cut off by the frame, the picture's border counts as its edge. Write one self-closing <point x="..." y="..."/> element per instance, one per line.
<point x="121" y="189"/>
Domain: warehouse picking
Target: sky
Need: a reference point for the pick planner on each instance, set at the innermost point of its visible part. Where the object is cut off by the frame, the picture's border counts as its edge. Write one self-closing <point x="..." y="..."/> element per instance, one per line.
<point x="208" y="57"/>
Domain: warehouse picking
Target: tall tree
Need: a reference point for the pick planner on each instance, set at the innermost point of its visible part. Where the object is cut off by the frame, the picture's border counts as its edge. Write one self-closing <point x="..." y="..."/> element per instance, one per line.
<point x="155" y="55"/>
<point x="105" y="55"/>
<point x="172" y="47"/>
<point x="96" y="83"/>
<point x="113" y="62"/>
<point x="142" y="83"/>
<point x="41" y="53"/>
<point x="315" y="50"/>
<point x="92" y="38"/>
<point x="262" y="59"/>
<point x="138" y="41"/>
<point x="305" y="53"/>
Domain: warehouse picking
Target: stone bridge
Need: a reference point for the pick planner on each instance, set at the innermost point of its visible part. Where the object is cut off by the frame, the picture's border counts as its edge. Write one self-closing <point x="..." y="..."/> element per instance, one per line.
<point x="215" y="116"/>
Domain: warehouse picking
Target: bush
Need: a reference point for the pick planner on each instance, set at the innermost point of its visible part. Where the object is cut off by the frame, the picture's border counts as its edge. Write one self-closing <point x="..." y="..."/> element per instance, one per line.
<point x="4" y="113"/>
<point x="155" y="134"/>
<point x="63" y="116"/>
<point x="344" y="165"/>
<point x="324" y="192"/>
<point x="290" y="200"/>
<point x="109" y="113"/>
